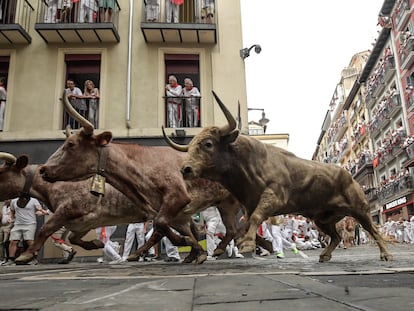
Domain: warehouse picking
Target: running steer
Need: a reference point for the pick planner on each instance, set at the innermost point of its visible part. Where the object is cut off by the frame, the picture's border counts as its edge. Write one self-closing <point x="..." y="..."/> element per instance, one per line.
<point x="149" y="176"/>
<point x="269" y="180"/>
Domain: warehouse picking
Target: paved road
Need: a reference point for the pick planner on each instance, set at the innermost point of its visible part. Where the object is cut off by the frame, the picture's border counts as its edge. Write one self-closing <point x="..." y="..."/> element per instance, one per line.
<point x="355" y="279"/>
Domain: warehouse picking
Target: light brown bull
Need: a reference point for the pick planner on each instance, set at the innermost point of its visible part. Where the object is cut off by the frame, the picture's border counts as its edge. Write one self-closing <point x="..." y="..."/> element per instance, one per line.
<point x="269" y="181"/>
<point x="149" y="176"/>
<point x="79" y="211"/>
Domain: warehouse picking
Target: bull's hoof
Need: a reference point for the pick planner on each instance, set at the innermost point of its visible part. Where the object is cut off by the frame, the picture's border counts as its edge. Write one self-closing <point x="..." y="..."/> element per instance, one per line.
<point x="24" y="258"/>
<point x="201" y="259"/>
<point x="133" y="257"/>
<point x="386" y="257"/>
<point x="247" y="248"/>
<point x="190" y="258"/>
<point x="218" y="252"/>
<point x="324" y="258"/>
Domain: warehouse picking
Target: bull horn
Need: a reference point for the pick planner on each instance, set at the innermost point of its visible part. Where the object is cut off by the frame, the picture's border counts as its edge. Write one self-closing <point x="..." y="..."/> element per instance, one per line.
<point x="87" y="126"/>
<point x="8" y="158"/>
<point x="230" y="119"/>
<point x="182" y="148"/>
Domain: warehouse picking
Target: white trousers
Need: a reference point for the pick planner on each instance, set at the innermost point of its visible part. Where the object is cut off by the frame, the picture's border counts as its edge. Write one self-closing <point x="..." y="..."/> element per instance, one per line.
<point x="134" y="230"/>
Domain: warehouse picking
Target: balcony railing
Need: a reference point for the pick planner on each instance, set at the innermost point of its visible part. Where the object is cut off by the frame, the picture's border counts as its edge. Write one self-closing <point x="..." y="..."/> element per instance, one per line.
<point x="403" y="13"/>
<point x="395" y="188"/>
<point x="407" y="53"/>
<point x="88" y="108"/>
<point x="83" y="22"/>
<point x="15" y="21"/>
<point x="192" y="25"/>
<point x="182" y="111"/>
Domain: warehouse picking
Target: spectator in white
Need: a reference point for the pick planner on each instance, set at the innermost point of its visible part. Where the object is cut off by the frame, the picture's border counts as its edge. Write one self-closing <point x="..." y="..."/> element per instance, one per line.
<point x="170" y="249"/>
<point x="24" y="218"/>
<point x="88" y="11"/>
<point x="75" y="97"/>
<point x="51" y="12"/>
<point x="278" y="241"/>
<point x="231" y="248"/>
<point x="3" y="96"/>
<point x="58" y="238"/>
<point x="412" y="229"/>
<point x="191" y="96"/>
<point x="5" y="228"/>
<point x="134" y="230"/>
<point x="211" y="217"/>
<point x="207" y="11"/>
<point x="173" y="90"/>
<point x="152" y="10"/>
<point x="111" y="248"/>
<point x="172" y="10"/>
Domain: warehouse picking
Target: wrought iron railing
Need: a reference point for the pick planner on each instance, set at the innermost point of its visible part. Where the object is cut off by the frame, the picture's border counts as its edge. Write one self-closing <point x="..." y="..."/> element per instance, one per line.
<point x="182" y="111"/>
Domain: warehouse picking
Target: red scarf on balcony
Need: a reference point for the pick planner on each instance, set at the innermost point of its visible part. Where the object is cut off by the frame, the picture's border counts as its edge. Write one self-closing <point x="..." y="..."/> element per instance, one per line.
<point x="178" y="2"/>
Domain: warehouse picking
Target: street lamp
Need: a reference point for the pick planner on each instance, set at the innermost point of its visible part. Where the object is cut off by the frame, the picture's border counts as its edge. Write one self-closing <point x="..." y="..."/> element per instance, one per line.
<point x="263" y="121"/>
<point x="246" y="51"/>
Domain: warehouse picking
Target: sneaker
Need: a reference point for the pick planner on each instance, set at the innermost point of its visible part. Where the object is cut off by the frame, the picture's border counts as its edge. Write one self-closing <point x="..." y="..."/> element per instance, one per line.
<point x="72" y="253"/>
<point x="116" y="261"/>
<point x="100" y="260"/>
<point x="238" y="255"/>
<point x="211" y="258"/>
<point x="280" y="255"/>
<point x="8" y="263"/>
<point x="33" y="262"/>
<point x="229" y="251"/>
<point x="294" y="249"/>
<point x="265" y="252"/>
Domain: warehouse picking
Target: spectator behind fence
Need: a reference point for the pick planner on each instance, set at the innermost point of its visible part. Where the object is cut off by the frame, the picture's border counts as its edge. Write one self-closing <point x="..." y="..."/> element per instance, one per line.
<point x="75" y="97"/>
<point x="173" y="90"/>
<point x="172" y="9"/>
<point x="106" y="7"/>
<point x="191" y="96"/>
<point x="152" y="9"/>
<point x="91" y="93"/>
<point x="207" y="11"/>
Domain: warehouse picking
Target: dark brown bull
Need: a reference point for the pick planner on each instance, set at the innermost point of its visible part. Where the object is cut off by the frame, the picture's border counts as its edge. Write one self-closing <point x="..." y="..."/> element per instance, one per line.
<point x="269" y="181"/>
<point x="79" y="211"/>
<point x="149" y="176"/>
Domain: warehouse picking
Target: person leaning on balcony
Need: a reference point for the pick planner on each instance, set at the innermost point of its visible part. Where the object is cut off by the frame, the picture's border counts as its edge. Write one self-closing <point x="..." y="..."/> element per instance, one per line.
<point x="106" y="6"/>
<point x="207" y="11"/>
<point x="75" y="97"/>
<point x="88" y="11"/>
<point x="191" y="96"/>
<point x="91" y="93"/>
<point x="3" y="95"/>
<point x="152" y="9"/>
<point x="172" y="9"/>
<point x="173" y="90"/>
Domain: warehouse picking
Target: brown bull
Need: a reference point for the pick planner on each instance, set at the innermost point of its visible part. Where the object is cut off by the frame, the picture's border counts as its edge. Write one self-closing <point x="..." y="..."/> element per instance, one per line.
<point x="149" y="176"/>
<point x="269" y="181"/>
<point x="79" y="211"/>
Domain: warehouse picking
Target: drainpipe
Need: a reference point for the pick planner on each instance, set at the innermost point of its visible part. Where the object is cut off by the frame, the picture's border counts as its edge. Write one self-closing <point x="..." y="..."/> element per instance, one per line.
<point x="128" y="89"/>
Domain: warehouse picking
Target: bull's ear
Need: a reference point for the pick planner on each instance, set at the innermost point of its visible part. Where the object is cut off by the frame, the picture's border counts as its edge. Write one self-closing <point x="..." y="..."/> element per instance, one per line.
<point x="22" y="162"/>
<point x="104" y="138"/>
<point x="230" y="138"/>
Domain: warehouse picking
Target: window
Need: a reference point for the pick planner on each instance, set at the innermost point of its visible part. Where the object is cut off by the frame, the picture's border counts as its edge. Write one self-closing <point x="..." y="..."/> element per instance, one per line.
<point x="4" y="66"/>
<point x="80" y="68"/>
<point x="182" y="112"/>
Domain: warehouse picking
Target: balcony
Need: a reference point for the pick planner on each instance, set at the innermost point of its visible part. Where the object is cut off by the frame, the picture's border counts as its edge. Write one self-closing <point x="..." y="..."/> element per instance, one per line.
<point x="407" y="54"/>
<point x="403" y="14"/>
<point x="190" y="28"/>
<point x="395" y="188"/>
<point x="389" y="69"/>
<point x="15" y="21"/>
<point x="82" y="23"/>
